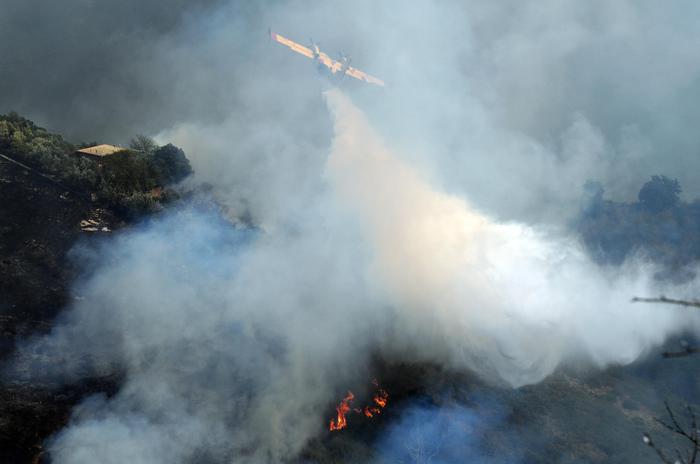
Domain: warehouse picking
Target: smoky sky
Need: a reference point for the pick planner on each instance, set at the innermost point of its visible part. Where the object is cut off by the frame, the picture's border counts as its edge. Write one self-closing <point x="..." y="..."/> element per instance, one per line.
<point x="488" y="98"/>
<point x="91" y="68"/>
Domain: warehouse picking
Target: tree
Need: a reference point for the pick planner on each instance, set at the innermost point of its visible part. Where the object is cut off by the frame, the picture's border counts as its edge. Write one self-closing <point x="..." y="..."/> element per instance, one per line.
<point x="143" y="144"/>
<point x="126" y="172"/>
<point x="4" y="131"/>
<point x="660" y="194"/>
<point x="18" y="140"/>
<point x="171" y="164"/>
<point x="689" y="433"/>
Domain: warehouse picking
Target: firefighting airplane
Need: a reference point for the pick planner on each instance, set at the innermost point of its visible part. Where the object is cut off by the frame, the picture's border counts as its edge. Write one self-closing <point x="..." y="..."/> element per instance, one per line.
<point x="343" y="66"/>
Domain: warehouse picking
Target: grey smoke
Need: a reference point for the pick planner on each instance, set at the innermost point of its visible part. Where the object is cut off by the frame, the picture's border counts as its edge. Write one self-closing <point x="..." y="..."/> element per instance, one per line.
<point x="233" y="343"/>
<point x="427" y="432"/>
<point x="92" y="69"/>
<point x="540" y="97"/>
<point x="405" y="222"/>
<point x="229" y="342"/>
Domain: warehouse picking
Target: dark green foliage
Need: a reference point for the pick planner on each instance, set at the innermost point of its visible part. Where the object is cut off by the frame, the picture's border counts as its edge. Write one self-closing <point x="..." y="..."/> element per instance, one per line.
<point x="125" y="172"/>
<point x="21" y="136"/>
<point x="142" y="144"/>
<point x="137" y="204"/>
<point x="659" y="194"/>
<point x="126" y="181"/>
<point x="171" y="164"/>
<point x="49" y="153"/>
<point x="659" y="225"/>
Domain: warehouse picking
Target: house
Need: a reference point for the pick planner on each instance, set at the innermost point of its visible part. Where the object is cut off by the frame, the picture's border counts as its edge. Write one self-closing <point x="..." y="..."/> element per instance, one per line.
<point x="100" y="151"/>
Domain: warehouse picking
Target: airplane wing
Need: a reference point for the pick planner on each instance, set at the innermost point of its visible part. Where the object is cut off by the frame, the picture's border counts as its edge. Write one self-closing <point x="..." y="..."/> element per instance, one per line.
<point x="336" y="66"/>
<point x="363" y="76"/>
<point x="293" y="45"/>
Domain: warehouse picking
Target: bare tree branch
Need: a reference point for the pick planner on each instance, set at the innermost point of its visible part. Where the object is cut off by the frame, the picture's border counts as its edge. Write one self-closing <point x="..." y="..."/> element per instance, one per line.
<point x="681" y="354"/>
<point x="650" y="443"/>
<point x="663" y="299"/>
<point x="692" y="435"/>
<point x="687" y="350"/>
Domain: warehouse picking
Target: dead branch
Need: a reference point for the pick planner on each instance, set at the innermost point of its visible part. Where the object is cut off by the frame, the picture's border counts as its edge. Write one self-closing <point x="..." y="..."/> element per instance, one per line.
<point x="691" y="434"/>
<point x="663" y="299"/>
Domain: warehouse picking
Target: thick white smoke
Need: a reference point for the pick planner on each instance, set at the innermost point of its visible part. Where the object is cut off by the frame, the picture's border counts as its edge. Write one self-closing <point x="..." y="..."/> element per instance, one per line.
<point x="502" y="299"/>
<point x="233" y="344"/>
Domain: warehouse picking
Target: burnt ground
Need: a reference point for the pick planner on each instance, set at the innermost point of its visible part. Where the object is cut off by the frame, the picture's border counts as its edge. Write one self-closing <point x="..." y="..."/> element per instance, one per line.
<point x="571" y="417"/>
<point x="39" y="222"/>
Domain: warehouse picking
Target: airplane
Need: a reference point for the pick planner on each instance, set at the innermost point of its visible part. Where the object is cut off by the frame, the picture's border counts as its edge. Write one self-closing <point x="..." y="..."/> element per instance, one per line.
<point x="342" y="67"/>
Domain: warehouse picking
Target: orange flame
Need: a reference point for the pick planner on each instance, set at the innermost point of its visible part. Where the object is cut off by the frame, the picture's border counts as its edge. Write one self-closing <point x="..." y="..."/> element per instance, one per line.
<point x="343" y="408"/>
<point x="380" y="399"/>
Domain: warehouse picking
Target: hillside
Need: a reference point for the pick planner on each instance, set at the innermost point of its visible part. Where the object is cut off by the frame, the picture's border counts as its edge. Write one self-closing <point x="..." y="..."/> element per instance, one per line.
<point x="51" y="200"/>
<point x="54" y="199"/>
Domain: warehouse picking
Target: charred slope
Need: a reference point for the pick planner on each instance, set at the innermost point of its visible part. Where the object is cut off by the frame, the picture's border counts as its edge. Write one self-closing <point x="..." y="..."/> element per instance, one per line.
<point x="39" y="222"/>
<point x="437" y="415"/>
<point x="50" y="199"/>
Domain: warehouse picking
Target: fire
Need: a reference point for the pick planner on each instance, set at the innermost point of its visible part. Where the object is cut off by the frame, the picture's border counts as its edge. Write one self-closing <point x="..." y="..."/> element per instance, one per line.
<point x="343" y="408"/>
<point x="380" y="399"/>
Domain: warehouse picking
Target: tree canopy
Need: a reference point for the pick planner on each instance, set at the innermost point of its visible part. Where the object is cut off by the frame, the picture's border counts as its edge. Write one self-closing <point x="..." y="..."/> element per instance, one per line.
<point x="659" y="225"/>
<point x="126" y="180"/>
<point x="660" y="193"/>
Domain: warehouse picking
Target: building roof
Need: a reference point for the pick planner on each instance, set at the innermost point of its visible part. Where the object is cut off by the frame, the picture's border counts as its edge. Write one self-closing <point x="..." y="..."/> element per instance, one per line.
<point x="100" y="150"/>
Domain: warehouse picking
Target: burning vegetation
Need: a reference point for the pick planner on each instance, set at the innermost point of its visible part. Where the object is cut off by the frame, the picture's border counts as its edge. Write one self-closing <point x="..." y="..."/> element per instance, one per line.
<point x="379" y="401"/>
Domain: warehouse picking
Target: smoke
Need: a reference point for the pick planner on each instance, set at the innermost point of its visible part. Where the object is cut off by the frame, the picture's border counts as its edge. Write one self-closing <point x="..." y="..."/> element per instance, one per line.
<point x="94" y="69"/>
<point x="487" y="98"/>
<point x="234" y="343"/>
<point x="407" y="225"/>
<point x="427" y="432"/>
<point x="500" y="298"/>
<point x="228" y="348"/>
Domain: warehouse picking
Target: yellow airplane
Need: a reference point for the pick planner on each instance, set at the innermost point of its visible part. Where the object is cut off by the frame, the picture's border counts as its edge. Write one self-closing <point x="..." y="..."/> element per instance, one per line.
<point x="343" y="67"/>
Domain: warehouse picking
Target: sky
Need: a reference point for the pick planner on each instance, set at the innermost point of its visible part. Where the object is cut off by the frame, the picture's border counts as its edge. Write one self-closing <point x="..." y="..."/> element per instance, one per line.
<point x="487" y="98"/>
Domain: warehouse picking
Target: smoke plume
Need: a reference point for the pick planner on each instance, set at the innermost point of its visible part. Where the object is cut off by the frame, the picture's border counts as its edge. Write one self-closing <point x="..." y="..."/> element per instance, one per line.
<point x="486" y="98"/>
<point x="421" y="223"/>
<point x="500" y="298"/>
<point x="233" y="342"/>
